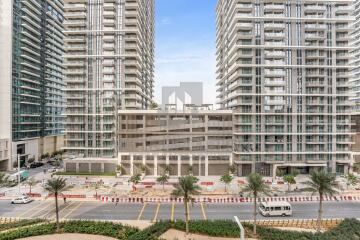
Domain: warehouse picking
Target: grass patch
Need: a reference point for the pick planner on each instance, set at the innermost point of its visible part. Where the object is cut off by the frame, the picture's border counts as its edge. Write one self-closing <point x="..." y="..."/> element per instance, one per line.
<point x="108" y="174"/>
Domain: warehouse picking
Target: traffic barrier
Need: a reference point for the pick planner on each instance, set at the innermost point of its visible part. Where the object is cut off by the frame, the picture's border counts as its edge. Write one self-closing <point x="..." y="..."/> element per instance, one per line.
<point x="222" y="200"/>
<point x="33" y="194"/>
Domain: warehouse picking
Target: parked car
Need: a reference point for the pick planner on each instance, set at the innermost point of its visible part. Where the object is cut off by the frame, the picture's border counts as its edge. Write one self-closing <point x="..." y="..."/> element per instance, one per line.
<point x="21" y="200"/>
<point x="36" y="164"/>
<point x="52" y="170"/>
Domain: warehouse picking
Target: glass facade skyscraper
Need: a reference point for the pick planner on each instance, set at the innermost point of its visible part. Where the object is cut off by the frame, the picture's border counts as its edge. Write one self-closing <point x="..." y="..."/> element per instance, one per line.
<point x="37" y="69"/>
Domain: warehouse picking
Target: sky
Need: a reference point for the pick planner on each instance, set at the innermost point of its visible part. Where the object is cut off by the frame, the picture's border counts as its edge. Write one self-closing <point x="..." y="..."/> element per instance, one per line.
<point x="185" y="45"/>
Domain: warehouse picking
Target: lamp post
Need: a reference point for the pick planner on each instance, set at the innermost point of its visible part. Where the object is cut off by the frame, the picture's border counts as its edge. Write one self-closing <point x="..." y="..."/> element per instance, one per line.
<point x="242" y="231"/>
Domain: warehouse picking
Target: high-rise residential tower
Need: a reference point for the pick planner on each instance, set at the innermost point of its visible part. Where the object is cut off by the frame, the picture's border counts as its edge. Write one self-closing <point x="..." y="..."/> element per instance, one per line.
<point x="109" y="66"/>
<point x="355" y="37"/>
<point x="33" y="99"/>
<point x="283" y="67"/>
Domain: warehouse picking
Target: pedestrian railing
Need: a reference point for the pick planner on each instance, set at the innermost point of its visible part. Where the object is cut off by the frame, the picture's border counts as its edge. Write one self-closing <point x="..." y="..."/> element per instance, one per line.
<point x="4" y="220"/>
<point x="298" y="223"/>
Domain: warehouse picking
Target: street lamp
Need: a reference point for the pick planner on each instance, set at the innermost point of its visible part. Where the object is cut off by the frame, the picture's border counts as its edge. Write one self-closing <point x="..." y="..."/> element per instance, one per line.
<point x="242" y="231"/>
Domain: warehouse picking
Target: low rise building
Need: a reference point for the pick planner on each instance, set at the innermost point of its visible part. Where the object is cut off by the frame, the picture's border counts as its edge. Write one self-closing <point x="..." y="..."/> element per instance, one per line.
<point x="4" y="154"/>
<point x="190" y="140"/>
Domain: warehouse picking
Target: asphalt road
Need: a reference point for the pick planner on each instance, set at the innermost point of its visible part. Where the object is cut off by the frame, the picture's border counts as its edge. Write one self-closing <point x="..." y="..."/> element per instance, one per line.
<point x="154" y="211"/>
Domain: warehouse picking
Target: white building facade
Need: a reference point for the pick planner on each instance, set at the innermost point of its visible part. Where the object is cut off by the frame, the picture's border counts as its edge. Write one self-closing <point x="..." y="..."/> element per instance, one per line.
<point x="283" y="67"/>
<point x="109" y="66"/>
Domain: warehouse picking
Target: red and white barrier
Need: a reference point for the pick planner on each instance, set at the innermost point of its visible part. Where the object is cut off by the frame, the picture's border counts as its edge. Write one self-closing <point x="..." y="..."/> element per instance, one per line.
<point x="228" y="199"/>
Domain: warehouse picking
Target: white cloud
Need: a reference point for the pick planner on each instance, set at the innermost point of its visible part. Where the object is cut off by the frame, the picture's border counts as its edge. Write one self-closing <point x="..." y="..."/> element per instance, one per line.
<point x="166" y="21"/>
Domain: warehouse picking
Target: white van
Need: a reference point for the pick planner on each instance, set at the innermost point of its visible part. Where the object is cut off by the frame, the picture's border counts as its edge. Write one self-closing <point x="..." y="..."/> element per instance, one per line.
<point x="268" y="209"/>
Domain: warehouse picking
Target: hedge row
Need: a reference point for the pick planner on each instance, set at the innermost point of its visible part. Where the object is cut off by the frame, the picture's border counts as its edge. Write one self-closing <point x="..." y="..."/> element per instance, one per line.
<point x="349" y="229"/>
<point x="41" y="229"/>
<point x="153" y="232"/>
<point x="86" y="227"/>
<point x="217" y="228"/>
<point x="21" y="223"/>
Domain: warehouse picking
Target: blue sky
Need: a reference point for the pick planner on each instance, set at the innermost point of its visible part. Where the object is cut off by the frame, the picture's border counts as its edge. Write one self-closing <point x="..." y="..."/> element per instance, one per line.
<point x="185" y="44"/>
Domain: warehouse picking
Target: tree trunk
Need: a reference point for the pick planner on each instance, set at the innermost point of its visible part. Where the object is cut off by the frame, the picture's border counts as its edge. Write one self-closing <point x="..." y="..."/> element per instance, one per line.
<point x="225" y="188"/>
<point x="186" y="215"/>
<point x="57" y="213"/>
<point x="320" y="213"/>
<point x="30" y="189"/>
<point x="163" y="186"/>
<point x="255" y="213"/>
<point x="289" y="187"/>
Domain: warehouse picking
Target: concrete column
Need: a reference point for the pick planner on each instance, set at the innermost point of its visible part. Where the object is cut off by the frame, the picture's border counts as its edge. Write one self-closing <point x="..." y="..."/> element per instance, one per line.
<point x="144" y="159"/>
<point x="102" y="167"/>
<point x="156" y="165"/>
<point x="206" y="165"/>
<point x="191" y="159"/>
<point x="179" y="165"/>
<point x="90" y="167"/>
<point x="200" y="166"/>
<point x="131" y="164"/>
<point x="77" y="167"/>
<point x="119" y="158"/>
<point x="274" y="170"/>
<point x="167" y="159"/>
<point x="231" y="159"/>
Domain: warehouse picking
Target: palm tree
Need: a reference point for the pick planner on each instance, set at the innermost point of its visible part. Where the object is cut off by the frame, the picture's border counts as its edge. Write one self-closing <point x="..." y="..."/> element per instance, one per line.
<point x="324" y="184"/>
<point x="289" y="179"/>
<point x="351" y="180"/>
<point x="186" y="187"/>
<point x="226" y="179"/>
<point x="31" y="182"/>
<point x="163" y="179"/>
<point x="255" y="187"/>
<point x="4" y="179"/>
<point x="135" y="179"/>
<point x="56" y="186"/>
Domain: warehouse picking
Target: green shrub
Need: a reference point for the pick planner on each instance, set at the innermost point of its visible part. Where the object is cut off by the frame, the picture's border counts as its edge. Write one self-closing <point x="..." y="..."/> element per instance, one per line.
<point x="99" y="228"/>
<point x="216" y="228"/>
<point x="348" y="229"/>
<point x="86" y="227"/>
<point x="42" y="229"/>
<point x="21" y="223"/>
<point x="153" y="232"/>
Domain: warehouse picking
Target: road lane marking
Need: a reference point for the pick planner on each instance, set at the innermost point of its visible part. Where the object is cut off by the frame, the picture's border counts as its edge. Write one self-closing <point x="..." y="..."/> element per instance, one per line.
<point x="66" y="207"/>
<point x="142" y="211"/>
<point x="172" y="212"/>
<point x="156" y="212"/>
<point x="203" y="211"/>
<point x="188" y="211"/>
<point x="41" y="209"/>
<point x="72" y="210"/>
<point x="29" y="210"/>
